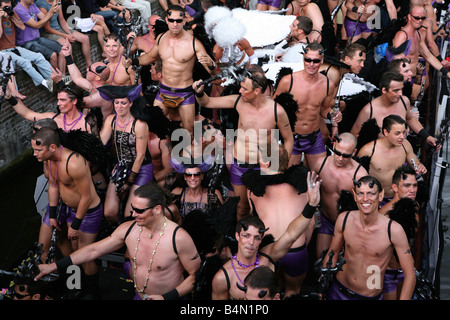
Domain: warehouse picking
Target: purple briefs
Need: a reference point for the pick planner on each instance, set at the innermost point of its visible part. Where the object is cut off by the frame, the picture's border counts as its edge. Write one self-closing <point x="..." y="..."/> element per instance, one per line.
<point x="339" y="292"/>
<point x="62" y="215"/>
<point x="326" y="226"/>
<point x="238" y="169"/>
<point x="295" y="261"/>
<point x="350" y="25"/>
<point x="145" y="175"/>
<point x="91" y="221"/>
<point x="308" y="143"/>
<point x="392" y="278"/>
<point x="187" y="93"/>
<point x="272" y="3"/>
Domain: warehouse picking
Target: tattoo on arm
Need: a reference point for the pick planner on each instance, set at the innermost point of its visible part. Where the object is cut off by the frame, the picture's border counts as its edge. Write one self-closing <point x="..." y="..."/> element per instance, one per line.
<point x="408" y="251"/>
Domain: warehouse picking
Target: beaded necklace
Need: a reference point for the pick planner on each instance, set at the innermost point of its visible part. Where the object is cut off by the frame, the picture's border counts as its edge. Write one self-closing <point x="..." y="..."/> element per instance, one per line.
<point x="57" y="167"/>
<point x="72" y="124"/>
<point x="151" y="259"/>
<point x="256" y="264"/>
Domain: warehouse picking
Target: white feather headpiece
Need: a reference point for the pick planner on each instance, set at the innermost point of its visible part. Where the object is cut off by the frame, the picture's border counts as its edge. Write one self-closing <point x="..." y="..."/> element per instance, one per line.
<point x="228" y="31"/>
<point x="213" y="15"/>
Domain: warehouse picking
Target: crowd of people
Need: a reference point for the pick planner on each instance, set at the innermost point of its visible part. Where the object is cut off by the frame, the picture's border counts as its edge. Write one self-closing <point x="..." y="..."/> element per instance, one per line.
<point x="214" y="181"/>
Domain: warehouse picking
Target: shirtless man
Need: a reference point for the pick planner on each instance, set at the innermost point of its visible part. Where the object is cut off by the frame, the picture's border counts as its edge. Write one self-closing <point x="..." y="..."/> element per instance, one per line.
<point x="311" y="10"/>
<point x="160" y="251"/>
<point x="355" y="9"/>
<point x="119" y="74"/>
<point x="70" y="104"/>
<point x="391" y="101"/>
<point x="369" y="240"/>
<point x="256" y="116"/>
<point x="145" y="42"/>
<point x="337" y="173"/>
<point x="70" y="179"/>
<point x="410" y="41"/>
<point x="96" y="76"/>
<point x="160" y="151"/>
<point x="277" y="207"/>
<point x="314" y="95"/>
<point x="249" y="233"/>
<point x="178" y="51"/>
<point x="390" y="152"/>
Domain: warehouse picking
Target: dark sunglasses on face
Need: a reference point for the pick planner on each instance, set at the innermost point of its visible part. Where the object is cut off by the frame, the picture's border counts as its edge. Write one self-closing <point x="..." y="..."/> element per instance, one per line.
<point x="175" y="20"/>
<point x="343" y="155"/>
<point x="418" y="18"/>
<point x="309" y="60"/>
<point x="139" y="211"/>
<point x="196" y="174"/>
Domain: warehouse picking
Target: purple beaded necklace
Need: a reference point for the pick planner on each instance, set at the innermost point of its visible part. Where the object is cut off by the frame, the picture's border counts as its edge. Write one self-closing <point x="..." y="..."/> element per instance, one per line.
<point x="256" y="263"/>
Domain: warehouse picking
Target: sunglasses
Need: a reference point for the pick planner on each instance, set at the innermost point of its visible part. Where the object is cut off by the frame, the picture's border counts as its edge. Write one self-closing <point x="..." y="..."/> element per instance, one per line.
<point x="340" y="154"/>
<point x="309" y="60"/>
<point x="197" y="174"/>
<point x="139" y="211"/>
<point x="418" y="18"/>
<point x="98" y="70"/>
<point x="175" y="20"/>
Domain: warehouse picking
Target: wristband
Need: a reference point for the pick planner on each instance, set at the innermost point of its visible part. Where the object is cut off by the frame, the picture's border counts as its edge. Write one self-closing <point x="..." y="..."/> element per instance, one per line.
<point x="212" y="67"/>
<point x="171" y="295"/>
<point x="13" y="101"/>
<point x="76" y="223"/>
<point x="63" y="264"/>
<point x="423" y="133"/>
<point x="308" y="211"/>
<point x="200" y="95"/>
<point x="52" y="214"/>
<point x="69" y="60"/>
<point x="444" y="71"/>
<point x="135" y="61"/>
<point x="439" y="58"/>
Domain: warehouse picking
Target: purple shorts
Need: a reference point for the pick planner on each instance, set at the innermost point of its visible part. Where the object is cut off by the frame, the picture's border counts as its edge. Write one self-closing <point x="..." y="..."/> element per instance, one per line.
<point x="62" y="215"/>
<point x="145" y="175"/>
<point x="295" y="262"/>
<point x="338" y="291"/>
<point x="350" y="25"/>
<point x="308" y="143"/>
<point x="91" y="221"/>
<point x="238" y="169"/>
<point x="272" y="3"/>
<point x="326" y="226"/>
<point x="187" y="93"/>
<point x="392" y="278"/>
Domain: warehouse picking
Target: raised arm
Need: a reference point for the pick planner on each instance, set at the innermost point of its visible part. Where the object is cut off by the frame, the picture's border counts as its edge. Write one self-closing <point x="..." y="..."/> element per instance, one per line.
<point x="225" y="102"/>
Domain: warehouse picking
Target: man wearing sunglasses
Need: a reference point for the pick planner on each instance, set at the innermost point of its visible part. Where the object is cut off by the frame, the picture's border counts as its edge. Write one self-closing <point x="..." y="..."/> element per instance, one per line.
<point x="314" y="95"/>
<point x="337" y="173"/>
<point x="414" y="40"/>
<point x="179" y="51"/>
<point x="160" y="251"/>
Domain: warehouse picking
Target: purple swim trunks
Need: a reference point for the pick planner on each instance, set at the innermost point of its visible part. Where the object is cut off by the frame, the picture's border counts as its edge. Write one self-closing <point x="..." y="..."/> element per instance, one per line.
<point x="326" y="226"/>
<point x="91" y="221"/>
<point x="238" y="169"/>
<point x="145" y="175"/>
<point x="62" y="215"/>
<point x="272" y="3"/>
<point x="295" y="262"/>
<point x="350" y="24"/>
<point x="338" y="291"/>
<point x="187" y="93"/>
<point x="392" y="278"/>
<point x="308" y="143"/>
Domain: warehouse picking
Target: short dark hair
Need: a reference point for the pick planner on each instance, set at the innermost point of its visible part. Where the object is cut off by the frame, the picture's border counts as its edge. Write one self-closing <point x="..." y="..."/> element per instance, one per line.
<point x="154" y="193"/>
<point x="46" y="137"/>
<point x="258" y="77"/>
<point x="175" y="7"/>
<point x="350" y="50"/>
<point x="74" y="92"/>
<point x="390" y="120"/>
<point x="314" y="46"/>
<point x="368" y="180"/>
<point x="263" y="278"/>
<point x="250" y="220"/>
<point x="388" y="77"/>
<point x="401" y="171"/>
<point x="394" y="65"/>
<point x="304" y="23"/>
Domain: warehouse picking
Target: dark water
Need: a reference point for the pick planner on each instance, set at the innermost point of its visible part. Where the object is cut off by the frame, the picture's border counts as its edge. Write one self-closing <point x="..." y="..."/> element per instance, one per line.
<point x="19" y="220"/>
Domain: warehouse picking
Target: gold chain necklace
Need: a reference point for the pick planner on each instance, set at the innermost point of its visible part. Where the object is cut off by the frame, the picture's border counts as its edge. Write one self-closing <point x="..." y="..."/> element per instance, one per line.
<point x="151" y="259"/>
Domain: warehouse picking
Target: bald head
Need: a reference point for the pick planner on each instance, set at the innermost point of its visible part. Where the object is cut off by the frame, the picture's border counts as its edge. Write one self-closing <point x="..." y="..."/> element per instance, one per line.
<point x="347" y="138"/>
